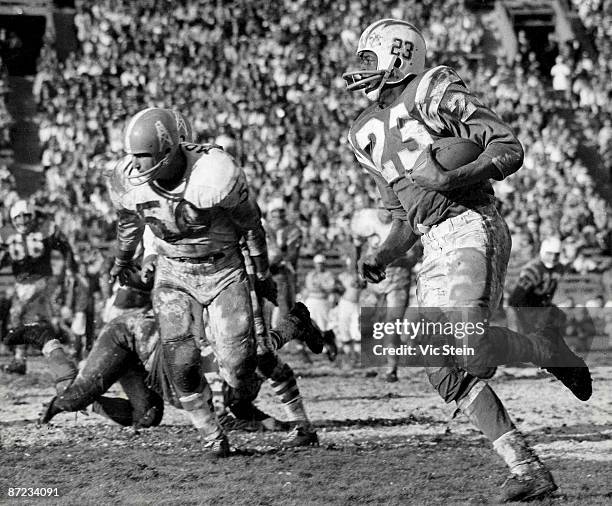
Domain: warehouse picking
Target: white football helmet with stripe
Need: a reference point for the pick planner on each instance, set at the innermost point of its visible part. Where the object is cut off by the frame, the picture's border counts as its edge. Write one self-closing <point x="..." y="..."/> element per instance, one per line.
<point x="183" y="126"/>
<point x="400" y="51"/>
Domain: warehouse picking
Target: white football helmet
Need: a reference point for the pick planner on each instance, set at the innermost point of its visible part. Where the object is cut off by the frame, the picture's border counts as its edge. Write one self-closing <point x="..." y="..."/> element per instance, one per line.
<point x="550" y="250"/>
<point x="153" y="132"/>
<point x="22" y="215"/>
<point x="400" y="51"/>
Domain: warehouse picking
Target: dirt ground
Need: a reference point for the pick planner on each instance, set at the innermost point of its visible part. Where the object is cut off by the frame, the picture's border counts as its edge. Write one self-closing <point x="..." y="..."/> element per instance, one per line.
<point x="380" y="444"/>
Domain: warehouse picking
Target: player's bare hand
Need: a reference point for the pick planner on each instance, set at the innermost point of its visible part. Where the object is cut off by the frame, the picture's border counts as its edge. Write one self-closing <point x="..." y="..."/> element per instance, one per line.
<point x="147" y="273"/>
<point x="267" y="289"/>
<point x="430" y="174"/>
<point x="370" y="269"/>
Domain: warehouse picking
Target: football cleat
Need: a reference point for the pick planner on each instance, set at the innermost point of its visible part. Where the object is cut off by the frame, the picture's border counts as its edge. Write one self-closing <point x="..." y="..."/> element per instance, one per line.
<point x="218" y="448"/>
<point x="50" y="411"/>
<point x="535" y="485"/>
<point x="577" y="379"/>
<point x="310" y="333"/>
<point x="16" y="367"/>
<point x="301" y="435"/>
<point x="391" y="377"/>
<point x="575" y="375"/>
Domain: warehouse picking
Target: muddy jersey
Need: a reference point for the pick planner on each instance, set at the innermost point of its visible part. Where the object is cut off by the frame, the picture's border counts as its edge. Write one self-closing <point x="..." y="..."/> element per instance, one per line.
<point x="29" y="255"/>
<point x="388" y="140"/>
<point x="536" y="285"/>
<point x="207" y="213"/>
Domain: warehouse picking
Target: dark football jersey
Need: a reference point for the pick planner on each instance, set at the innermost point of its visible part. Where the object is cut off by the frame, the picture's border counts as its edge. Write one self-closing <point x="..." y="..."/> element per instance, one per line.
<point x="388" y="140"/>
<point x="30" y="254"/>
<point x="536" y="285"/>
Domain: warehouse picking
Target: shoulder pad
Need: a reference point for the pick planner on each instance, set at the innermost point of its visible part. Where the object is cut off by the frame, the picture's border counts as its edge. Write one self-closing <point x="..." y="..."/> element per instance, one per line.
<point x="431" y="87"/>
<point x="212" y="178"/>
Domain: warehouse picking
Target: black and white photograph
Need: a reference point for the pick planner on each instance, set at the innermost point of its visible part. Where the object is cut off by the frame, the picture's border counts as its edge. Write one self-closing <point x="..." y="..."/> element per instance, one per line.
<point x="306" y="252"/>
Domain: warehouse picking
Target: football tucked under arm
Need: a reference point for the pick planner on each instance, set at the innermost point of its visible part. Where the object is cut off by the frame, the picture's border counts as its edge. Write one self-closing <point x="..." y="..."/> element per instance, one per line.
<point x="466" y="117"/>
<point x="450" y="110"/>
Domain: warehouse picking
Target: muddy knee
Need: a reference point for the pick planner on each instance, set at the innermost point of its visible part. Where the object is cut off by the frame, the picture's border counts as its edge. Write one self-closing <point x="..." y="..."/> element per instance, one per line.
<point x="183" y="359"/>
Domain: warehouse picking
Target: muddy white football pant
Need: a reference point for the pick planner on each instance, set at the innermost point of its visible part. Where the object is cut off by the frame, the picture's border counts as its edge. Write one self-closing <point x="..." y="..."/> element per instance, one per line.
<point x="464" y="266"/>
<point x="181" y="293"/>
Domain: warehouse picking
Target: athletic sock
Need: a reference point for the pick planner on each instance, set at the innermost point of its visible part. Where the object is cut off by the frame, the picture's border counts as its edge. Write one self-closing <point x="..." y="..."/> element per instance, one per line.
<point x="199" y="409"/>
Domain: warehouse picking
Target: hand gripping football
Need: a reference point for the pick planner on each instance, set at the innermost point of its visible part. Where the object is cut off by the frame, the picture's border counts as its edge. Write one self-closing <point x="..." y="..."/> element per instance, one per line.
<point x="451" y="153"/>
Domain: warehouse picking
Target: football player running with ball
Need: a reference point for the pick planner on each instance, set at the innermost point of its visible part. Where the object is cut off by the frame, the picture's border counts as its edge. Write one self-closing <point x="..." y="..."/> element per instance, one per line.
<point x="198" y="205"/>
<point x="466" y="242"/>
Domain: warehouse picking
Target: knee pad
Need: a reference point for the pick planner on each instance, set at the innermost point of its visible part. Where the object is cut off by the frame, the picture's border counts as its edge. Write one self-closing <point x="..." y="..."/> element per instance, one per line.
<point x="183" y="359"/>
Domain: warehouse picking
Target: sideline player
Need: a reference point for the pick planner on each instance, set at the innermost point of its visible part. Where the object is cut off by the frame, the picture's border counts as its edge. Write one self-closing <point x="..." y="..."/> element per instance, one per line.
<point x="283" y="249"/>
<point x="28" y="252"/>
<point x="530" y="304"/>
<point x="466" y="242"/>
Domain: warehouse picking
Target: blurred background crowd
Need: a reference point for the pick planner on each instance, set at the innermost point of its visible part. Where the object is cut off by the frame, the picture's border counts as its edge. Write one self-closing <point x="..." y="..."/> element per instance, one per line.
<point x="263" y="79"/>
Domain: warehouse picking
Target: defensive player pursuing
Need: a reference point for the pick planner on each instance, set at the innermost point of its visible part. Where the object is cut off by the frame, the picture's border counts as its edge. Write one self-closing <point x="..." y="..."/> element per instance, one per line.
<point x="128" y="351"/>
<point x="198" y="205"/>
<point x="466" y="242"/>
<point x="283" y="249"/>
<point x="28" y="251"/>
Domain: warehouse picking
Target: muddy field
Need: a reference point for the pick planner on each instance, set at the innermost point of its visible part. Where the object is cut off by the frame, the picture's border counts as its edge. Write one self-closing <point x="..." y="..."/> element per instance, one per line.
<point x="380" y="444"/>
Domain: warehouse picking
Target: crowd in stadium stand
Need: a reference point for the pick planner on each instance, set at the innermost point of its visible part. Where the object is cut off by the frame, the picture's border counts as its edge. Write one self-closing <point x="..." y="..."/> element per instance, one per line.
<point x="8" y="193"/>
<point x="263" y="79"/>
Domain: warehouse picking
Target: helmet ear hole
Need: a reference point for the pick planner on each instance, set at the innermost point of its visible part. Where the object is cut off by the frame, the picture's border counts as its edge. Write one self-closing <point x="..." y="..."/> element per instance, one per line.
<point x="398" y="63"/>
